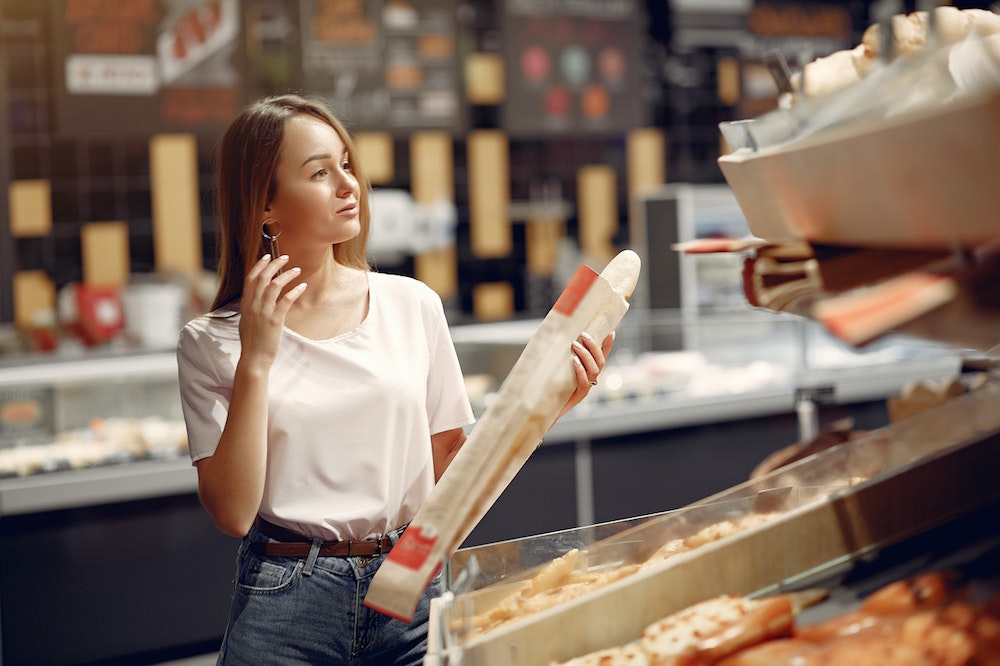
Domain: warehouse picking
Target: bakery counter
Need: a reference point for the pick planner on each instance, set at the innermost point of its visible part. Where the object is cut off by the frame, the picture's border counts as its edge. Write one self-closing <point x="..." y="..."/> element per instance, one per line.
<point x="656" y="402"/>
<point x="647" y="439"/>
<point x="107" y="484"/>
<point x="601" y="419"/>
<point x="664" y="428"/>
<point x="598" y="586"/>
<point x="88" y="430"/>
<point x="129" y="580"/>
<point x="99" y="510"/>
<point x="669" y="370"/>
<point x="844" y="385"/>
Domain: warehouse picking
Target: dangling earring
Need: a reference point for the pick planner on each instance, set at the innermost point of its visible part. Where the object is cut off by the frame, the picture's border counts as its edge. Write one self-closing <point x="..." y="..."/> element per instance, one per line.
<point x="272" y="239"/>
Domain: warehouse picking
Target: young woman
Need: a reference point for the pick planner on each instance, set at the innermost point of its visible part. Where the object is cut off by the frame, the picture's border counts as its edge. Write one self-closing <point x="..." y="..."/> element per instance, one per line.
<point x="322" y="399"/>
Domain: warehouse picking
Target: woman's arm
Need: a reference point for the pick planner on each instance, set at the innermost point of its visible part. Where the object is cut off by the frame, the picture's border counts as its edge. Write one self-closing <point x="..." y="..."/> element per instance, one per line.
<point x="231" y="481"/>
<point x="444" y="446"/>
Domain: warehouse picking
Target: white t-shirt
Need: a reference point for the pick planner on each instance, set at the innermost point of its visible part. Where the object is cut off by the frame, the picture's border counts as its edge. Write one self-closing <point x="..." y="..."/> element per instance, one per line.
<point x="349" y="418"/>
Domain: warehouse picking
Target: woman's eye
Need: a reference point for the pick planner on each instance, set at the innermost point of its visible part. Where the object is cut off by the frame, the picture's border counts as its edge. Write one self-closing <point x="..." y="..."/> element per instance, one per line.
<point x="319" y="173"/>
<point x="346" y="165"/>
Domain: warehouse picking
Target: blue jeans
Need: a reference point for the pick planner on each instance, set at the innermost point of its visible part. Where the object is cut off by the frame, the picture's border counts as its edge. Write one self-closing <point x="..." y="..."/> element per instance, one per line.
<point x="293" y="611"/>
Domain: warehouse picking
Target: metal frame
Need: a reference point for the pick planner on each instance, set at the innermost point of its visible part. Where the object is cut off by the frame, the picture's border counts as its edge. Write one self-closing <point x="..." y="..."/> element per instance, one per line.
<point x="6" y="242"/>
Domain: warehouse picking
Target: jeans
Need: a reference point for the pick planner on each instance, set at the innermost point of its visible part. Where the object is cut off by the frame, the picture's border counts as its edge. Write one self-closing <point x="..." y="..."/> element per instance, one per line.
<point x="293" y="611"/>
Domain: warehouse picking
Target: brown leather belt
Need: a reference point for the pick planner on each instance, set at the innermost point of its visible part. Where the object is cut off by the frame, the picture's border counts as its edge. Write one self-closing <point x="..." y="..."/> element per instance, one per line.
<point x="296" y="544"/>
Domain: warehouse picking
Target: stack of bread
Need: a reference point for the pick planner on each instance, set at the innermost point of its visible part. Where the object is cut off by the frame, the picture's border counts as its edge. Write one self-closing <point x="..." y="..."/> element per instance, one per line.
<point x="911" y="33"/>
<point x="568" y="576"/>
<point x="930" y="619"/>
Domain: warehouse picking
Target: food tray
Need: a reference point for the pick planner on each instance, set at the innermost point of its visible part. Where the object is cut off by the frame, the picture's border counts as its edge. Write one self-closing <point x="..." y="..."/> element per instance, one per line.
<point x="923" y="180"/>
<point x="825" y="510"/>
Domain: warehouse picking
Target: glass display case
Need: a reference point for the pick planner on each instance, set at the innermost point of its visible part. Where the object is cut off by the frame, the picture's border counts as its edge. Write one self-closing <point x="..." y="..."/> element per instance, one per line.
<point x="98" y="456"/>
<point x="85" y="429"/>
<point x="90" y="429"/>
<point x="97" y="491"/>
<point x="561" y="595"/>
<point x="678" y="394"/>
<point x="673" y="369"/>
<point x="88" y="411"/>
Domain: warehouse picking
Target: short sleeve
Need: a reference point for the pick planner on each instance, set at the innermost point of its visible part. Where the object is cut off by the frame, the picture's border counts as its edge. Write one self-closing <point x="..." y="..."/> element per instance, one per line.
<point x="448" y="404"/>
<point x="204" y="398"/>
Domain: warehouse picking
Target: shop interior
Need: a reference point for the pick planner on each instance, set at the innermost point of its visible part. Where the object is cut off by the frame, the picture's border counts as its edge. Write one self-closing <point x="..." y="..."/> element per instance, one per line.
<point x="506" y="144"/>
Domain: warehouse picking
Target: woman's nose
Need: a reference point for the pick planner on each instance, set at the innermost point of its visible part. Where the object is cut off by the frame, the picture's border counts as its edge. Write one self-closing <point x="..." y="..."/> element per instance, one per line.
<point x="345" y="182"/>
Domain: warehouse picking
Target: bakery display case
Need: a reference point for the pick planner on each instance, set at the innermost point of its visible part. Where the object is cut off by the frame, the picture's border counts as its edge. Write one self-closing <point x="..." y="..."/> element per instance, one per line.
<point x="671" y="364"/>
<point x="87" y="412"/>
<point x="100" y="463"/>
<point x="96" y="492"/>
<point x="558" y="596"/>
<point x="870" y="212"/>
<point x="83" y="430"/>
<point x="106" y="427"/>
<point x="679" y="395"/>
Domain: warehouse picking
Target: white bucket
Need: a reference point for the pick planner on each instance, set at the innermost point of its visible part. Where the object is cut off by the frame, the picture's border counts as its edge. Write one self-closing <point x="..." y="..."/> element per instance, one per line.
<point x="153" y="313"/>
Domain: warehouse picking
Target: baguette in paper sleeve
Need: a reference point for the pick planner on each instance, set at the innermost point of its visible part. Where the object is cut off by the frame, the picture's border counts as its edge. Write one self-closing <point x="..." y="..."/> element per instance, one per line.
<point x="526" y="405"/>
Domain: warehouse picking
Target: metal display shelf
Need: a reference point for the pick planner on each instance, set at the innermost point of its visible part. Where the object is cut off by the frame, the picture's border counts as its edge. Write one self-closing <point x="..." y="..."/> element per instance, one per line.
<point x="844" y="385"/>
<point x="98" y="485"/>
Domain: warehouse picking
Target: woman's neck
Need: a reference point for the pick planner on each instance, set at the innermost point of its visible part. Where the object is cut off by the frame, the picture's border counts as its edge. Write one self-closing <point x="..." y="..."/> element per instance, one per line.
<point x="335" y="300"/>
<point x="321" y="272"/>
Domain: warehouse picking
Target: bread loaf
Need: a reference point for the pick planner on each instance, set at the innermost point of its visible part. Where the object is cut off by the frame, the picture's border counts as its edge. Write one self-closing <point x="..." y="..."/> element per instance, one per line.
<point x="910" y="35"/>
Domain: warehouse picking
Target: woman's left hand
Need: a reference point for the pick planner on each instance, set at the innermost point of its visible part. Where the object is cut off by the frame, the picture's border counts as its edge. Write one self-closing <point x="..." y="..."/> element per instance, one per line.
<point x="589" y="358"/>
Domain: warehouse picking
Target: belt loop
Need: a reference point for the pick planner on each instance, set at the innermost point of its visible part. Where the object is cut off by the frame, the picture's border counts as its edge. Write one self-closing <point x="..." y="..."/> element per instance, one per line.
<point x="307" y="569"/>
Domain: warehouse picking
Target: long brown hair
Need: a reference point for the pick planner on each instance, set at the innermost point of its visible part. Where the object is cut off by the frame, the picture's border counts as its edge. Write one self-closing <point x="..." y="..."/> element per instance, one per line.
<point x="245" y="184"/>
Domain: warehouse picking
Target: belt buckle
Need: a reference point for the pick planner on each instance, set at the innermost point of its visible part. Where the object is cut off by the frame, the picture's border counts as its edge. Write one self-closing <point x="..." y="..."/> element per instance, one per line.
<point x="378" y="546"/>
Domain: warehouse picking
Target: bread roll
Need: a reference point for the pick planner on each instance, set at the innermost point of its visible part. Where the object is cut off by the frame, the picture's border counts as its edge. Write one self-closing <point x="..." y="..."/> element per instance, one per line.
<point x="992" y="46"/>
<point x="829" y="73"/>
<point x="983" y="21"/>
<point x="861" y="60"/>
<point x="908" y="35"/>
<point x="951" y="23"/>
<point x="842" y="68"/>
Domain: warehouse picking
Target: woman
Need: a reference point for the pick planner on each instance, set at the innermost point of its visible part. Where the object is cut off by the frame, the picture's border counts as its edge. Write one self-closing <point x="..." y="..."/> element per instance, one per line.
<point x="322" y="399"/>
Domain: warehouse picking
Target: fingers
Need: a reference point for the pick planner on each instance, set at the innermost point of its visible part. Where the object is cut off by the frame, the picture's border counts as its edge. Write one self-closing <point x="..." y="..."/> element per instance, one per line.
<point x="609" y="342"/>
<point x="280" y="281"/>
<point x="265" y="283"/>
<point x="589" y="358"/>
<point x="268" y="265"/>
<point x="590" y="354"/>
<point x="269" y="272"/>
<point x="588" y="361"/>
<point x="582" y="380"/>
<point x="264" y="271"/>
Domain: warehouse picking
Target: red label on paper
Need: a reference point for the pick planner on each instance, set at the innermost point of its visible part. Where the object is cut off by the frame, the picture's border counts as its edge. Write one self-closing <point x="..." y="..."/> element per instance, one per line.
<point x="412" y="549"/>
<point x="575" y="290"/>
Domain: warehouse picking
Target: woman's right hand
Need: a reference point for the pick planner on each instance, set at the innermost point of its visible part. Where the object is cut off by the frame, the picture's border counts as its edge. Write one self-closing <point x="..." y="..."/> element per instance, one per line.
<point x="263" y="307"/>
<point x="231" y="481"/>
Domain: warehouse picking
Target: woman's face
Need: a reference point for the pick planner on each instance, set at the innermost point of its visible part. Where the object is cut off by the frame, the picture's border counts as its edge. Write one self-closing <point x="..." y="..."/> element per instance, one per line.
<point x="316" y="200"/>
